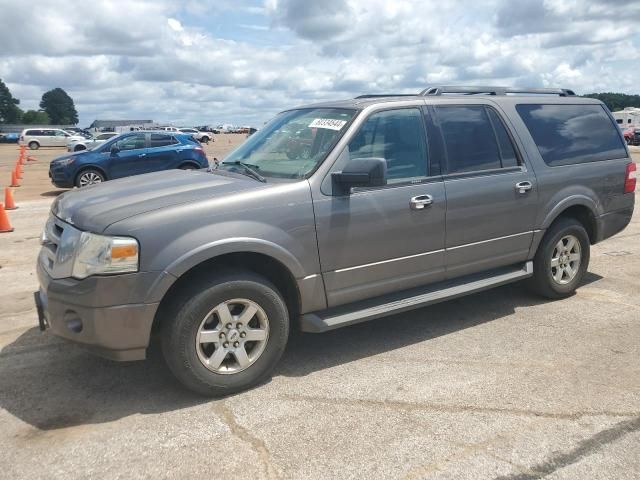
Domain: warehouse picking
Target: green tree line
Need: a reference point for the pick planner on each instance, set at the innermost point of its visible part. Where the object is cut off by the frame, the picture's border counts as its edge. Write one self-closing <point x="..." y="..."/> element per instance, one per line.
<point x="616" y="101"/>
<point x="56" y="108"/>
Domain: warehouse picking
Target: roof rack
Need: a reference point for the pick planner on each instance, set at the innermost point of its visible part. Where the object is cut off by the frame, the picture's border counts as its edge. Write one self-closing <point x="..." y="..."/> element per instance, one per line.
<point x="440" y="90"/>
<point x="380" y="95"/>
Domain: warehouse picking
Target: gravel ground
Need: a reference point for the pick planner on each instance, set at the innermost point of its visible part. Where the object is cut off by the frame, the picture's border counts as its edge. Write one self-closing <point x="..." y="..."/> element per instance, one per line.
<point x="499" y="384"/>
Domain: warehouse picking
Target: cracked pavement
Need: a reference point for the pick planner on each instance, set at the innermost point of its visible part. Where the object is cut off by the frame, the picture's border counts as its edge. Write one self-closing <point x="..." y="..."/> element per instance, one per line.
<point x="498" y="385"/>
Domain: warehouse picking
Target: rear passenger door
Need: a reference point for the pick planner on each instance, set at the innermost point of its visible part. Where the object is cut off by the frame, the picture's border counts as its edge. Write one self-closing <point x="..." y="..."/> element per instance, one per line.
<point x="162" y="153"/>
<point x="491" y="194"/>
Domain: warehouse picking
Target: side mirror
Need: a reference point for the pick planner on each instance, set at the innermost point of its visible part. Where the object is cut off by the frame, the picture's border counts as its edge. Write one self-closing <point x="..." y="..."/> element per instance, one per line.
<point x="361" y="172"/>
<point x="114" y="149"/>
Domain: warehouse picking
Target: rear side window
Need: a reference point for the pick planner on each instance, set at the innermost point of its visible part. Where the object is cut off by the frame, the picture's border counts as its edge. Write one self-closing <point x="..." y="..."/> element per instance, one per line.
<point x="475" y="139"/>
<point x="161" y="140"/>
<point x="569" y="134"/>
<point x="33" y="133"/>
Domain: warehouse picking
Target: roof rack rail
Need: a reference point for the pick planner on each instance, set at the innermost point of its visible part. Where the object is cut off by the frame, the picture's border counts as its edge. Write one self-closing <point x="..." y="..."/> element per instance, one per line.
<point x="445" y="89"/>
<point x="381" y="95"/>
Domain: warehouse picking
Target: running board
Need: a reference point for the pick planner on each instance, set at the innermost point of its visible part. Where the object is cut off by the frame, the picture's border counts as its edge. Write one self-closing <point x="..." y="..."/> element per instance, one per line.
<point x="343" y="315"/>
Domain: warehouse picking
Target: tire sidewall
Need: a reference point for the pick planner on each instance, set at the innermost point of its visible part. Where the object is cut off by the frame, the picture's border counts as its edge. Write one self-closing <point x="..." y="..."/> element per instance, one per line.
<point x="34" y="145"/>
<point x="82" y="172"/>
<point x="179" y="336"/>
<point x="564" y="229"/>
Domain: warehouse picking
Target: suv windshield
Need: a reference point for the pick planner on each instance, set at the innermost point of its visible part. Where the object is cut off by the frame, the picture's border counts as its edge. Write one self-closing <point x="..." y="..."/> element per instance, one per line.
<point x="293" y="143"/>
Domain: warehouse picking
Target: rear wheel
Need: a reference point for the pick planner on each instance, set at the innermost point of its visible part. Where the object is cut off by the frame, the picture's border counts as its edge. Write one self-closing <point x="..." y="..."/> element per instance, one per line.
<point x="188" y="166"/>
<point x="88" y="177"/>
<point x="561" y="260"/>
<point x="34" y="145"/>
<point x="225" y="333"/>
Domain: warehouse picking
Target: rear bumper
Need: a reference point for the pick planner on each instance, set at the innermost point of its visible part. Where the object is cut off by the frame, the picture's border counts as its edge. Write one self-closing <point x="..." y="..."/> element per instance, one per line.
<point x="613" y="222"/>
<point x="73" y="309"/>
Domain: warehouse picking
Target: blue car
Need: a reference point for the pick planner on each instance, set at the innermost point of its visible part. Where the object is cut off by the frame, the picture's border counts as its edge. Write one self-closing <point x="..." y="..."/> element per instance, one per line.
<point x="125" y="155"/>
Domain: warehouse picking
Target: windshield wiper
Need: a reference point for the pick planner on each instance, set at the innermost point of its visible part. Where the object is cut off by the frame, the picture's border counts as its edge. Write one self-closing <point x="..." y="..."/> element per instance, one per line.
<point x="248" y="169"/>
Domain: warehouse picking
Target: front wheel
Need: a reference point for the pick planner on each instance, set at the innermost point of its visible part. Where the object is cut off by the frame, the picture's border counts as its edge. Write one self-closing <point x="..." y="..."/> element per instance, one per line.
<point x="34" y="145"/>
<point x="89" y="177"/>
<point x="561" y="260"/>
<point x="225" y="333"/>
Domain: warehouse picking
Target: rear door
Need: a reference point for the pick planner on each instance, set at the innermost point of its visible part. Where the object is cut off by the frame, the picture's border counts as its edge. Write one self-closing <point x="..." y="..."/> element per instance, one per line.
<point x="491" y="193"/>
<point x="162" y="153"/>
<point x="130" y="158"/>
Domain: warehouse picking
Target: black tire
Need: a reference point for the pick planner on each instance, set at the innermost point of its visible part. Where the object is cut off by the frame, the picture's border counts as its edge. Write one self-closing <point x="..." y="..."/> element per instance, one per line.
<point x="34" y="145"/>
<point x="188" y="166"/>
<point x="205" y="139"/>
<point x="79" y="148"/>
<point x="88" y="172"/>
<point x="543" y="281"/>
<point x="183" y="318"/>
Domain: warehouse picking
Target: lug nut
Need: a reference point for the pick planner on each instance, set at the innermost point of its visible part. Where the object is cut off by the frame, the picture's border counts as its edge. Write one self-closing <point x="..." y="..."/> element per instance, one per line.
<point x="221" y="334"/>
<point x="226" y="345"/>
<point x="243" y="334"/>
<point x="239" y="325"/>
<point x="236" y="344"/>
<point x="229" y="325"/>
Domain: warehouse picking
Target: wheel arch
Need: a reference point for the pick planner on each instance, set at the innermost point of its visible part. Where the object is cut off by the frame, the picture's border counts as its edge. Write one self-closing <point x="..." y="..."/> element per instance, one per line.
<point x="583" y="209"/>
<point x="260" y="263"/>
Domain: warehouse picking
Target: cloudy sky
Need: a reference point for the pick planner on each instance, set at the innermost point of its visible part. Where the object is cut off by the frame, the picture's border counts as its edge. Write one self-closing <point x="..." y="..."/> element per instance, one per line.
<point x="242" y="61"/>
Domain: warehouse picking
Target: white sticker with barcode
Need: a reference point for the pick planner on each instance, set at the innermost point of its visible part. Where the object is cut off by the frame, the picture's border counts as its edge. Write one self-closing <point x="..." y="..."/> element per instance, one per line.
<point x="329" y="123"/>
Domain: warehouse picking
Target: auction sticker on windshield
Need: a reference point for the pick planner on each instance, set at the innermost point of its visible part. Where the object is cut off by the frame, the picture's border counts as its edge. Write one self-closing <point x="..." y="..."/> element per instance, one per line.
<point x="329" y="123"/>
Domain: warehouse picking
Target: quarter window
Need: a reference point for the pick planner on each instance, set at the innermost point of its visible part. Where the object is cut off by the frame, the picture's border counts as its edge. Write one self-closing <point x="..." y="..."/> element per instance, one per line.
<point x="161" y="140"/>
<point x="475" y="139"/>
<point x="398" y="137"/>
<point x="569" y="134"/>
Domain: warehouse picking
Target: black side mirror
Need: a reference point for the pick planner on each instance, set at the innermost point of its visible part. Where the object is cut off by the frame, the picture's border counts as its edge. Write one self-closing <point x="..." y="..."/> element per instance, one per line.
<point x="114" y="149"/>
<point x="361" y="172"/>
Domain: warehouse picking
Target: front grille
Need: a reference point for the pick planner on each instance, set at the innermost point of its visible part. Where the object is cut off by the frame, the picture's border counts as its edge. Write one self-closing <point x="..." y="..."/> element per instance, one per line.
<point x="59" y="242"/>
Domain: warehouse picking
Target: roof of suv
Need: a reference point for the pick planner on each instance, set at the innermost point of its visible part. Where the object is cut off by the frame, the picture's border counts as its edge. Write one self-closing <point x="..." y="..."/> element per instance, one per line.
<point x="443" y="93"/>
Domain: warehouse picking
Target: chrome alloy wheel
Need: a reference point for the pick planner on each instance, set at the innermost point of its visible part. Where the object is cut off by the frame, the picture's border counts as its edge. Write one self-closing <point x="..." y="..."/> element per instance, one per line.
<point x="565" y="260"/>
<point x="89" y="178"/>
<point x="232" y="336"/>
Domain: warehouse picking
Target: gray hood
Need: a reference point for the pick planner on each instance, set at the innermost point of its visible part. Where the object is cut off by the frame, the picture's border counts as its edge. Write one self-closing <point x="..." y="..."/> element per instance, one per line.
<point x="95" y="208"/>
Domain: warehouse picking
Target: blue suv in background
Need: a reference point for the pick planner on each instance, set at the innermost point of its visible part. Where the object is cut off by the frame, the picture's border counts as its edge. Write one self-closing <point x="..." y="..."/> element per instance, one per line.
<point x="125" y="155"/>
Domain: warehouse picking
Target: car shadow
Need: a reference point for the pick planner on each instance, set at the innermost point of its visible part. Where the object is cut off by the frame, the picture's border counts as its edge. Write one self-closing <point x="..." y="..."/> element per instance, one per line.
<point x="51" y="384"/>
<point x="52" y="193"/>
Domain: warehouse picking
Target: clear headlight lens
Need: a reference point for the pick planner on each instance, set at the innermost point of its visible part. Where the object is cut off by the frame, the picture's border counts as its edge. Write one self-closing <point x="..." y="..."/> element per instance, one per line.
<point x="65" y="162"/>
<point x="100" y="254"/>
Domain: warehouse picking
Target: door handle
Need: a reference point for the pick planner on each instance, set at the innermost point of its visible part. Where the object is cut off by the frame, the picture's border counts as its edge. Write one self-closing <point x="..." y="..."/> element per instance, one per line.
<point x="420" y="201"/>
<point x="142" y="155"/>
<point x="524" y="187"/>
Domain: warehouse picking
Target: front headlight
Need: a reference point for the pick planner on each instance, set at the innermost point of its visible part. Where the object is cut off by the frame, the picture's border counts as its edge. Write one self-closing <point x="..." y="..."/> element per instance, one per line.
<point x="100" y="254"/>
<point x="65" y="162"/>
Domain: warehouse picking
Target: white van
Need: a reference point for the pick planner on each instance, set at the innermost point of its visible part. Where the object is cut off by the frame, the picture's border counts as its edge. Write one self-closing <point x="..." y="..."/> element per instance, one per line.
<point x="43" y="137"/>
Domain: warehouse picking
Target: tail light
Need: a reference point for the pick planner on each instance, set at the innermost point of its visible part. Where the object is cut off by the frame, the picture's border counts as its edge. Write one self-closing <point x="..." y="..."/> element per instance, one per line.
<point x="630" y="178"/>
<point x="22" y="138"/>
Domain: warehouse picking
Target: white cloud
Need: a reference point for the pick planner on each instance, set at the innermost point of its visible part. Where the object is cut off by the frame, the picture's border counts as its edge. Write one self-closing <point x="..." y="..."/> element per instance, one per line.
<point x="209" y="61"/>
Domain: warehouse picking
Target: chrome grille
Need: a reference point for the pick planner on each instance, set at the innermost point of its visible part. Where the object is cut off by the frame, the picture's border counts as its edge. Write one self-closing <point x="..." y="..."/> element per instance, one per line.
<point x="59" y="241"/>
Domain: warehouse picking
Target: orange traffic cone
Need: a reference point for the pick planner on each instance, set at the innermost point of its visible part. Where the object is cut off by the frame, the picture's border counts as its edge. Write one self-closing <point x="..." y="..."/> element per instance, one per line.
<point x="32" y="159"/>
<point x="5" y="226"/>
<point x="14" y="180"/>
<point x="8" y="199"/>
<point x="18" y="172"/>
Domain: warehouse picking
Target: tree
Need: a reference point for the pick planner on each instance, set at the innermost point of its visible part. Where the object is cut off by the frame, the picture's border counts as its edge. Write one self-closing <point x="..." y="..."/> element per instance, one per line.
<point x="35" y="117"/>
<point x="59" y="106"/>
<point x="616" y="101"/>
<point x="9" y="110"/>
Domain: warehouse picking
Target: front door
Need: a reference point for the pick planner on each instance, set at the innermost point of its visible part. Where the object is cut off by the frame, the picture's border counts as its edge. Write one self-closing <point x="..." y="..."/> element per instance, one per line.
<point x="491" y="194"/>
<point x="130" y="157"/>
<point x="390" y="238"/>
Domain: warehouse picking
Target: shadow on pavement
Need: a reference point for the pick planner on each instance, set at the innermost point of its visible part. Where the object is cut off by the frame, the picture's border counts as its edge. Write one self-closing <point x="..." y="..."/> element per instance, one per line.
<point x="52" y="193"/>
<point x="50" y="384"/>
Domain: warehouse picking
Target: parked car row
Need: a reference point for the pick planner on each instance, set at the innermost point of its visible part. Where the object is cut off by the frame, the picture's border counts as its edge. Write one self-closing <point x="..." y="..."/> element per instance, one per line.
<point x="632" y="135"/>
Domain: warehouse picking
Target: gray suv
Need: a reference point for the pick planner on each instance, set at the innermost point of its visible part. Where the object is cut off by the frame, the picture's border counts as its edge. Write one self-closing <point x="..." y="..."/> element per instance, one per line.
<point x="334" y="214"/>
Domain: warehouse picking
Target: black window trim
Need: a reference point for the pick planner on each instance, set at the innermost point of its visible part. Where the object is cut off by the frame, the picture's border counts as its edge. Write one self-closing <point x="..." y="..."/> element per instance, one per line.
<point x="168" y="134"/>
<point x="521" y="167"/>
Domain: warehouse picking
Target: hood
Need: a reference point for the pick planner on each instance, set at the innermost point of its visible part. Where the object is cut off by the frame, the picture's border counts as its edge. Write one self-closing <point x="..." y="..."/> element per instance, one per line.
<point x="96" y="207"/>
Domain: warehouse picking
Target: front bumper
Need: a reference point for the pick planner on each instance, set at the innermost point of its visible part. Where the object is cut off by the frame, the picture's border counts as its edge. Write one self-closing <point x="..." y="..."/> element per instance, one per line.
<point x="95" y="313"/>
<point x="60" y="176"/>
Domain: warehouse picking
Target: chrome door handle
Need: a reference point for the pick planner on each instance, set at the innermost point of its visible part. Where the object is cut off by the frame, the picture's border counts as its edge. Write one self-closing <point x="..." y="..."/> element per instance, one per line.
<point x="142" y="155"/>
<point x="421" y="201"/>
<point x="524" y="187"/>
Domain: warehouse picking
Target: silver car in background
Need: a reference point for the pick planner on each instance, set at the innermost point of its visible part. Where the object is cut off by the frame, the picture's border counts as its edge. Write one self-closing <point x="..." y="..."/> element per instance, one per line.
<point x="78" y="143"/>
